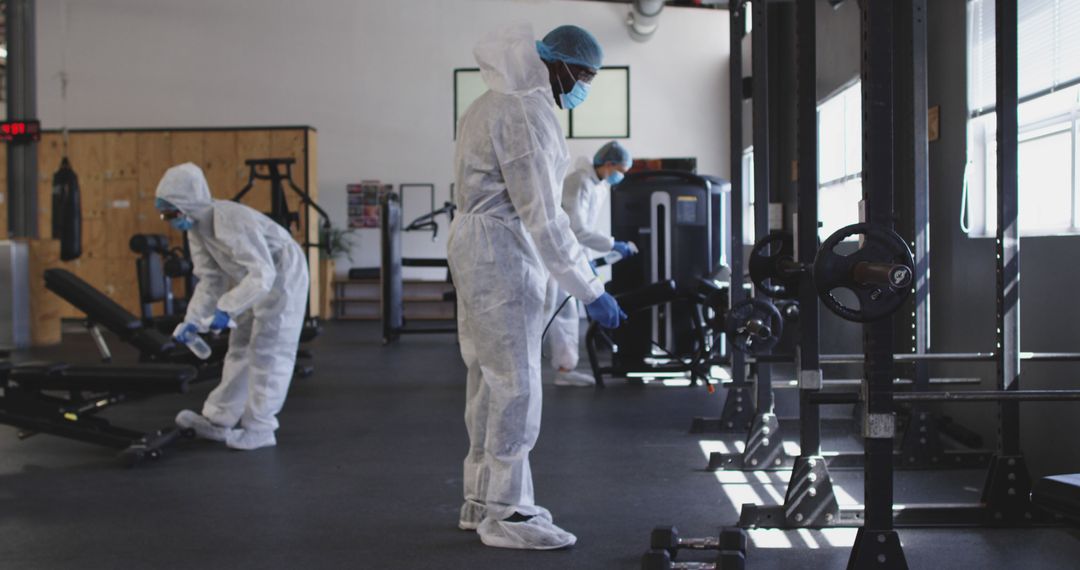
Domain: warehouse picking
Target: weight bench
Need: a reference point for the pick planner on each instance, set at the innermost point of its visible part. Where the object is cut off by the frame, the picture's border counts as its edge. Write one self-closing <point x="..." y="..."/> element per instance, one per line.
<point x="64" y="400"/>
<point x="101" y="311"/>
<point x="1058" y="494"/>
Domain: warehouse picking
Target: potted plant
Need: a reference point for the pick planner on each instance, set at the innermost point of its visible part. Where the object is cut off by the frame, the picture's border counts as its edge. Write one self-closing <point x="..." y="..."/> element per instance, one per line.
<point x="334" y="243"/>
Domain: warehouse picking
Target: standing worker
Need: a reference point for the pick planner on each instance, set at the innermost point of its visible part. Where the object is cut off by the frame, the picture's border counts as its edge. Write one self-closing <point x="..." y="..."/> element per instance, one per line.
<point x="251" y="275"/>
<point x="508" y="235"/>
<point x="583" y="195"/>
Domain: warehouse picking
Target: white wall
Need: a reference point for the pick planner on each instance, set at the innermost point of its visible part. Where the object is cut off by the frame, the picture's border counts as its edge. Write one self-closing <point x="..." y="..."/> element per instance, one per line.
<point x="373" y="76"/>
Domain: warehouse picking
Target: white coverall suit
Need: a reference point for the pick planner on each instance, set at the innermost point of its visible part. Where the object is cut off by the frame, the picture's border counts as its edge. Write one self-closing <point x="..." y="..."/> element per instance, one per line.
<point x="248" y="266"/>
<point x="509" y="233"/>
<point x="583" y="198"/>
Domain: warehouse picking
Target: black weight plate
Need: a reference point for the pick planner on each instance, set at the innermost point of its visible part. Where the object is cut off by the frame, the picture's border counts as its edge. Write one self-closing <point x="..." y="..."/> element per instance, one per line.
<point x="739" y="334"/>
<point x="833" y="271"/>
<point x="765" y="270"/>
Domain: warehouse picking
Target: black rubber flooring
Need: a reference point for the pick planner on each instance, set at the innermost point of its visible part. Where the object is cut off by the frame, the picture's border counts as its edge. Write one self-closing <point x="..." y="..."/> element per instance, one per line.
<point x="367" y="474"/>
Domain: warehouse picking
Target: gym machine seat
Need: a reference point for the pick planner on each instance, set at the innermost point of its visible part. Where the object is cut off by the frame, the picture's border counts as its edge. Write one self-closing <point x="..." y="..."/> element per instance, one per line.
<point x="1059" y="494"/>
<point x="64" y="400"/>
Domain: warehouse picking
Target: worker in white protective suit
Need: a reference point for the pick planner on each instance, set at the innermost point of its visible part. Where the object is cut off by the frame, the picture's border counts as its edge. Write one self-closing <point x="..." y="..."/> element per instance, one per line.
<point x="252" y="277"/>
<point x="508" y="235"/>
<point x="583" y="198"/>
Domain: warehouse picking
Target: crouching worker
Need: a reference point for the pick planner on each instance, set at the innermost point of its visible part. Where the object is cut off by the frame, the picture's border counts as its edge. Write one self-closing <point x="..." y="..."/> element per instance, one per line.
<point x="252" y="277"/>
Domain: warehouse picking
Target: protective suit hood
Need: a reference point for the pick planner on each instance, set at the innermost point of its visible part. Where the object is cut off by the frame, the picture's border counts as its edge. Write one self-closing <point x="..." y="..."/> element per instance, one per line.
<point x="185" y="187"/>
<point x="509" y="62"/>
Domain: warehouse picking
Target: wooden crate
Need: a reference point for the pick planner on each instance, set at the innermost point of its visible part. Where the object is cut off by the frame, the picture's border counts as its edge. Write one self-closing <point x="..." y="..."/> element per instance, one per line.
<point x="119" y="171"/>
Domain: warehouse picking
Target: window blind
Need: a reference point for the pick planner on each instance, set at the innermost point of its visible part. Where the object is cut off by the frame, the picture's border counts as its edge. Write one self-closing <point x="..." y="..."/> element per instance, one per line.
<point x="1049" y="49"/>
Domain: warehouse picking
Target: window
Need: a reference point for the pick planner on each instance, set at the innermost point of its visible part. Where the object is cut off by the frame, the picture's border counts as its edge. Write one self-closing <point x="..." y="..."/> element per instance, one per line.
<point x="1049" y="118"/>
<point x="605" y="114"/>
<point x="839" y="164"/>
<point x="840" y="159"/>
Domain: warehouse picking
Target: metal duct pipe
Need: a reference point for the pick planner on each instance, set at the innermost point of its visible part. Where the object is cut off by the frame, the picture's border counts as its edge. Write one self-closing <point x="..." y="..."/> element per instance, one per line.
<point x="644" y="18"/>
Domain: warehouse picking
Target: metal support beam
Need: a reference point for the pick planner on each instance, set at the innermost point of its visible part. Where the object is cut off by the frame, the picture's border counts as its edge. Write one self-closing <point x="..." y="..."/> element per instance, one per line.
<point x="735" y="93"/>
<point x="21" y="105"/>
<point x="1008" y="233"/>
<point x="762" y="164"/>
<point x="809" y="366"/>
<point x="877" y="544"/>
<point x="737" y="414"/>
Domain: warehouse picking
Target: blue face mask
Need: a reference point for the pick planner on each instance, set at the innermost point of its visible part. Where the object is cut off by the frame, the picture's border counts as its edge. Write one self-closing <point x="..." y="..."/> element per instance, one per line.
<point x="183" y="223"/>
<point x="615" y="177"/>
<point x="577" y="95"/>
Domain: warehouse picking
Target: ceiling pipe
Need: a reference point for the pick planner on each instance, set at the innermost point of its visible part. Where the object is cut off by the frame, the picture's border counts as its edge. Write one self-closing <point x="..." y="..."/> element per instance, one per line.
<point x="644" y="18"/>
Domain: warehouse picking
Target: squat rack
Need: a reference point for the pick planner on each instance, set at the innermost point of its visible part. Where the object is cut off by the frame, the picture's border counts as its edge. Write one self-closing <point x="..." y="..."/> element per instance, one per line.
<point x="1006" y="494"/>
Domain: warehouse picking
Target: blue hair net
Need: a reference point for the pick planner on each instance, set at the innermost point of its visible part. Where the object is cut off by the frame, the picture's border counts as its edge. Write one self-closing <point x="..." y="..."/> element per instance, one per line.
<point x="571" y="44"/>
<point x="613" y="152"/>
<point x="164" y="205"/>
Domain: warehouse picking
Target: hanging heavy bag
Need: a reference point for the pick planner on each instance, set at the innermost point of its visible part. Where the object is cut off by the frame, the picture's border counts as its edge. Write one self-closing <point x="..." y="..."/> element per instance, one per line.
<point x="67" y="211"/>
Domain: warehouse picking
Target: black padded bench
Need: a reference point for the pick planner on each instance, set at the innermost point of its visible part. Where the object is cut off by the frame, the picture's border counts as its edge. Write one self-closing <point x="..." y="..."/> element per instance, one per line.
<point x="64" y="400"/>
<point x="1059" y="494"/>
<point x="101" y="310"/>
<point x="143" y="379"/>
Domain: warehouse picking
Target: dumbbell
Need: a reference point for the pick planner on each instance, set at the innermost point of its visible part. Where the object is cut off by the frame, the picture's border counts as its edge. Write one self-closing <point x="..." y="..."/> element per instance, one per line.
<point x="667" y="538"/>
<point x="725" y="560"/>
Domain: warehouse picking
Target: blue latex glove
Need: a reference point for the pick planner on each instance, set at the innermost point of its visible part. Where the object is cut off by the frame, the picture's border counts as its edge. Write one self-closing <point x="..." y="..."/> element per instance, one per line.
<point x="625" y="249"/>
<point x="184" y="332"/>
<point x="605" y="310"/>
<point x="220" y="321"/>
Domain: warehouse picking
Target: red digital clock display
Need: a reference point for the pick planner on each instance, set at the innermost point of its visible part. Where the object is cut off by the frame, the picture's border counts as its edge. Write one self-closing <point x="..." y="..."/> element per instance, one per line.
<point x="20" y="131"/>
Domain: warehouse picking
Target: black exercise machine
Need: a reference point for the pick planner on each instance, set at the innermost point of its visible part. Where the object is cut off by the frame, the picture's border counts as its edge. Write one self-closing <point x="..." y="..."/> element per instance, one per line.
<point x="678" y="221"/>
<point x="156" y="267"/>
<point x="270" y="169"/>
<point x="390" y="279"/>
<point x="64" y="400"/>
<point x="704" y="302"/>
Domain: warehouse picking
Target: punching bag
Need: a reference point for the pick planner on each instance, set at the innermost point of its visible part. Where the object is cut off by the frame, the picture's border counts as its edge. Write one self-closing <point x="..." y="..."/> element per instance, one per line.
<point x="67" y="212"/>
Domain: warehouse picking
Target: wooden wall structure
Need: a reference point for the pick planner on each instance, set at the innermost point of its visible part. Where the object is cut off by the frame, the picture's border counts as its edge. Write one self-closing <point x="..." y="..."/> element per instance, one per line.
<point x="120" y="169"/>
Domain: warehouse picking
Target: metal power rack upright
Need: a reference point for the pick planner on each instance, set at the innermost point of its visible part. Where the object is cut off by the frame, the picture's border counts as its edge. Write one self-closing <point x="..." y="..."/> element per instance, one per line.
<point x="737" y="413"/>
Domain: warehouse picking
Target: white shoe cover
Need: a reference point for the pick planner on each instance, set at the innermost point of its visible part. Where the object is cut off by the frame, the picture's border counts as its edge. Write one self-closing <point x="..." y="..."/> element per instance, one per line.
<point x="247" y="440"/>
<point x="472" y="513"/>
<point x="537" y="533"/>
<point x="202" y="426"/>
<point x="574" y="378"/>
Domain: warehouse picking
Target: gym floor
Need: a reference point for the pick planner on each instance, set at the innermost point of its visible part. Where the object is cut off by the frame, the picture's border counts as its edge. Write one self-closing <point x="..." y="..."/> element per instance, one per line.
<point x="367" y="474"/>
